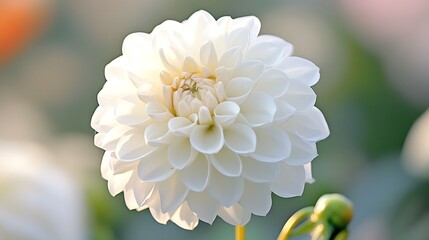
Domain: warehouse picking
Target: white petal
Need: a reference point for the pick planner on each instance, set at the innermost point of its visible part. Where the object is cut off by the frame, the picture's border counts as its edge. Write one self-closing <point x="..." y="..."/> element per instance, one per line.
<point x="207" y="138"/>
<point x="207" y="72"/>
<point x="132" y="146"/>
<point x="144" y="206"/>
<point x="240" y="138"/>
<point x="231" y="58"/>
<point x="142" y="190"/>
<point x="273" y="82"/>
<point x="181" y="126"/>
<point x="147" y="93"/>
<point x="155" y="167"/>
<point x="168" y="30"/>
<point x="258" y="109"/>
<point x="155" y="209"/>
<point x="181" y="153"/>
<point x="112" y="92"/>
<point x="116" y="183"/>
<point x="272" y="145"/>
<point x="96" y="118"/>
<point x="183" y="109"/>
<point x="136" y="80"/>
<point x="156" y="134"/>
<point x="118" y="85"/>
<point x="308" y="173"/>
<point x="98" y="139"/>
<point x="105" y="169"/>
<point x="136" y="45"/>
<point x="196" y="175"/>
<point x="209" y="100"/>
<point x="223" y="74"/>
<point x="120" y="167"/>
<point x="249" y="22"/>
<point x="227" y="162"/>
<point x="208" y="56"/>
<point x="290" y="182"/>
<point x="286" y="47"/>
<point x="203" y="205"/>
<point x="237" y="89"/>
<point x="130" y="200"/>
<point x="131" y="111"/>
<point x="284" y="111"/>
<point x="158" y="111"/>
<point x="300" y="69"/>
<point x="107" y="121"/>
<point x="195" y="26"/>
<point x="220" y="91"/>
<point x="204" y="116"/>
<point x="302" y="151"/>
<point x="172" y="193"/>
<point x="269" y="52"/>
<point x="249" y="69"/>
<point x="226" y="190"/>
<point x="260" y="172"/>
<point x="166" y="77"/>
<point x="167" y="94"/>
<point x="309" y="125"/>
<point x="217" y="32"/>
<point x="185" y="218"/>
<point x="196" y="104"/>
<point x="159" y="216"/>
<point x="170" y="60"/>
<point x="256" y="198"/>
<point x="189" y="65"/>
<point x="117" y="70"/>
<point x="235" y="215"/>
<point x="112" y="137"/>
<point x="299" y="96"/>
<point x="239" y="37"/>
<point x="226" y="112"/>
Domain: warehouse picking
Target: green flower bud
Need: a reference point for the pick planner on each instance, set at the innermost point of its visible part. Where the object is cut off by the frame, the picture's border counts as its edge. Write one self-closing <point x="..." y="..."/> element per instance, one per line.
<point x="333" y="209"/>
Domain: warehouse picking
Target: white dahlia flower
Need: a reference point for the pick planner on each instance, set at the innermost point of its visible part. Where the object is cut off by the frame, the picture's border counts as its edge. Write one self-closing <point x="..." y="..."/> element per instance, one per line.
<point x="205" y="118"/>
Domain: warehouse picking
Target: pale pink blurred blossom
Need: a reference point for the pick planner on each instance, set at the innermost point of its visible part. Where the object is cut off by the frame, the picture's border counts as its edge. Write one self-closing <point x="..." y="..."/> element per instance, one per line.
<point x="399" y="32"/>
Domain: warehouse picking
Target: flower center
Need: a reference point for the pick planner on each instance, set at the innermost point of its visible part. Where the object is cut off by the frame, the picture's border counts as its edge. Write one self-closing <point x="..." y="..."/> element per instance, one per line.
<point x="191" y="91"/>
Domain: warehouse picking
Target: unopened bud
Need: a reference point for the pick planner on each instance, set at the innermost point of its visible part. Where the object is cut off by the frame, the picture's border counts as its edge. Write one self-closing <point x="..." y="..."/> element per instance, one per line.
<point x="333" y="209"/>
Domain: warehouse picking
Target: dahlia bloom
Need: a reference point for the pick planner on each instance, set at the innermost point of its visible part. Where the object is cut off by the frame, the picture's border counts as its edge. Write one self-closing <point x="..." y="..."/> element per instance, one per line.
<point x="205" y="118"/>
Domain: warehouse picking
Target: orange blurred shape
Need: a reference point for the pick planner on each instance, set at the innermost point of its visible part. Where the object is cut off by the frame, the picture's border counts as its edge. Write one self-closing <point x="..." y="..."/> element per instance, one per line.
<point x="20" y="22"/>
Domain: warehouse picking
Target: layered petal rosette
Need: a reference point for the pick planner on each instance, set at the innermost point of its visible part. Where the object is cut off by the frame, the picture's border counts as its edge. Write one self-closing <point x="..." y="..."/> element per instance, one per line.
<point x="205" y="118"/>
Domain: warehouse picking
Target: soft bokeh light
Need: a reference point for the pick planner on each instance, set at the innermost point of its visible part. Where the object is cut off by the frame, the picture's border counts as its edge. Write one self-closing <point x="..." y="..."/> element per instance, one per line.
<point x="20" y="22"/>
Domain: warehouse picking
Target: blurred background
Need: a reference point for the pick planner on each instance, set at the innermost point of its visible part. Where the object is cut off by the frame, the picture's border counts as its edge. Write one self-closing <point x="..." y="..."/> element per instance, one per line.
<point x="374" y="92"/>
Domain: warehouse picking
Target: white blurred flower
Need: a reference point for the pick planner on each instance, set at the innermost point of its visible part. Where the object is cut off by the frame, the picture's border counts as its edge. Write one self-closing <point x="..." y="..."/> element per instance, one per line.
<point x="416" y="147"/>
<point x="38" y="200"/>
<point x="205" y="118"/>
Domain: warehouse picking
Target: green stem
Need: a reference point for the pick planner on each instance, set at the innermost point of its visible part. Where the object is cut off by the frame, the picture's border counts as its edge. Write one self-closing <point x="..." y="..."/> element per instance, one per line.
<point x="294" y="220"/>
